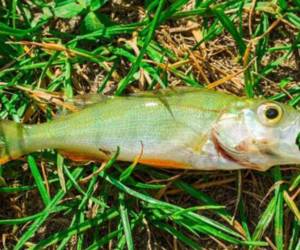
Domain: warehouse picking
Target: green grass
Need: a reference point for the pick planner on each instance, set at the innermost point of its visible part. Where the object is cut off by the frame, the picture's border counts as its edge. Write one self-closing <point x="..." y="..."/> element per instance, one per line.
<point x="74" y="47"/>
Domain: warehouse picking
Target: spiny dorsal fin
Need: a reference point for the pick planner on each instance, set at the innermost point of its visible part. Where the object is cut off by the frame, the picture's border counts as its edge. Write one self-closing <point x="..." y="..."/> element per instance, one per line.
<point x="165" y="92"/>
<point x="82" y="101"/>
<point x="162" y="94"/>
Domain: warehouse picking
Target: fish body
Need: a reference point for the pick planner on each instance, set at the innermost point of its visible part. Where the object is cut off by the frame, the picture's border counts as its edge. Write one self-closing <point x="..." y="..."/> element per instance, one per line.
<point x="184" y="128"/>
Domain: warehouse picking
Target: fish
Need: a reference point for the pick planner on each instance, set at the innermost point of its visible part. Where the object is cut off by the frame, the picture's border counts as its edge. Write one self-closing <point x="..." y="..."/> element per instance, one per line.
<point x="180" y="128"/>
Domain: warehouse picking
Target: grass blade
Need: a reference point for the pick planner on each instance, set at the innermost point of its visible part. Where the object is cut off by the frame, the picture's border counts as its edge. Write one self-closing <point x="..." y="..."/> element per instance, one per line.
<point x="125" y="81"/>
<point x="38" y="180"/>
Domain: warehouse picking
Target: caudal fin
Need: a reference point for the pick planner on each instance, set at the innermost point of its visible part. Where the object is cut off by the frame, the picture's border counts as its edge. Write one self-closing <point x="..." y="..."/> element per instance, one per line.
<point x="11" y="141"/>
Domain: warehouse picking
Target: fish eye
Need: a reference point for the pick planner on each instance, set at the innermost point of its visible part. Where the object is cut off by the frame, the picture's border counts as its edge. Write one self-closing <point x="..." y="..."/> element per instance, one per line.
<point x="270" y="113"/>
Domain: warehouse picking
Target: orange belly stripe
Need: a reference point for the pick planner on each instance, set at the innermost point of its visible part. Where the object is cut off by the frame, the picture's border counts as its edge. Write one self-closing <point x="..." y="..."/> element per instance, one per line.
<point x="164" y="163"/>
<point x="77" y="157"/>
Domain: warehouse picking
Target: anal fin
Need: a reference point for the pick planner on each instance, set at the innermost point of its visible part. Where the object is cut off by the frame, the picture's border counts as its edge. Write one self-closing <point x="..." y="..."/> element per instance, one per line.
<point x="81" y="157"/>
<point x="164" y="163"/>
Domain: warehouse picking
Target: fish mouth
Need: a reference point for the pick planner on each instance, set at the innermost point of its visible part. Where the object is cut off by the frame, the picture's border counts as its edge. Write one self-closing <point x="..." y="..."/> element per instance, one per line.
<point x="233" y="156"/>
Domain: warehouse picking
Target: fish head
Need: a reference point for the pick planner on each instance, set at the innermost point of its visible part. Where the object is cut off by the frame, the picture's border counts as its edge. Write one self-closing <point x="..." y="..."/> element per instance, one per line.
<point x="258" y="134"/>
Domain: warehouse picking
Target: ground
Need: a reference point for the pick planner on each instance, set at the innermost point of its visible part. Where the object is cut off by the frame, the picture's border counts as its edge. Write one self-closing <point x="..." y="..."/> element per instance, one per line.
<point x="51" y="51"/>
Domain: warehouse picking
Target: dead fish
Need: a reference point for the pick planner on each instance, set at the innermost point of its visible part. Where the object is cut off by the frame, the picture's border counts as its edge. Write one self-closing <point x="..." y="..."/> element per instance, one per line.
<point x="185" y="128"/>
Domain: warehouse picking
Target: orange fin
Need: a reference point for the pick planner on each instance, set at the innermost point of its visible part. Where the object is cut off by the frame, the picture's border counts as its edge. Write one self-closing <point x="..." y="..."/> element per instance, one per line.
<point x="164" y="163"/>
<point x="4" y="159"/>
<point x="77" y="157"/>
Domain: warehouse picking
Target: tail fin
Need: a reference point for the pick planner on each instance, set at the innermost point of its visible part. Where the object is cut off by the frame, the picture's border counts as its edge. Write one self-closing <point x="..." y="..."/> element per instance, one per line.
<point x="11" y="141"/>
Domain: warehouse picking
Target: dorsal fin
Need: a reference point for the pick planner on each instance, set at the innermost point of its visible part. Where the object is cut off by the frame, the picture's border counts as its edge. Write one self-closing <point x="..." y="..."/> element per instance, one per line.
<point x="165" y="92"/>
<point x="80" y="102"/>
<point x="162" y="94"/>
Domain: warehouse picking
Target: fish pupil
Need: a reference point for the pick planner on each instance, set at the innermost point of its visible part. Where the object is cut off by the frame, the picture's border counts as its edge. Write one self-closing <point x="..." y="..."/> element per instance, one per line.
<point x="272" y="113"/>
